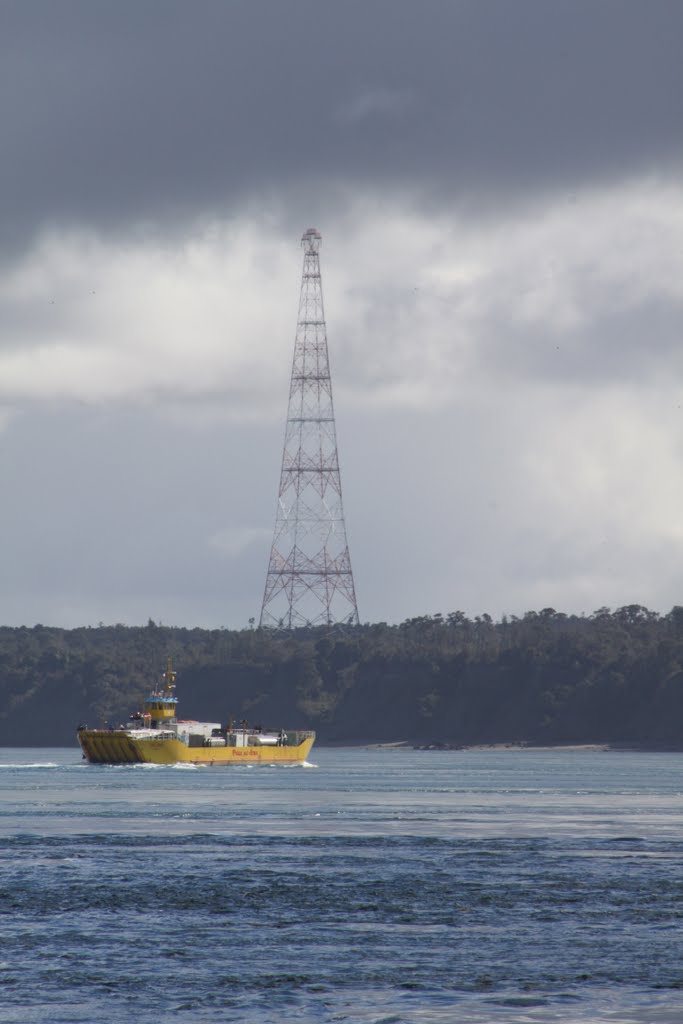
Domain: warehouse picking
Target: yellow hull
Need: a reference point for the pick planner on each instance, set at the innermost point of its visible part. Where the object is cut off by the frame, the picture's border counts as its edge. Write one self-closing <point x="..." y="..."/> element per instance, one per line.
<point x="113" y="746"/>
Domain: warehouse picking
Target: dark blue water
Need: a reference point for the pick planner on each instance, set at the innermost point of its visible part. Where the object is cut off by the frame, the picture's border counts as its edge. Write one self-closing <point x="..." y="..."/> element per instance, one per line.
<point x="378" y="886"/>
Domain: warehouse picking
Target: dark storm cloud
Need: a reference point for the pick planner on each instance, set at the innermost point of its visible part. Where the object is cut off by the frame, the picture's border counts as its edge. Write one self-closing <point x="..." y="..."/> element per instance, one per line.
<point x="112" y="112"/>
<point x="498" y="187"/>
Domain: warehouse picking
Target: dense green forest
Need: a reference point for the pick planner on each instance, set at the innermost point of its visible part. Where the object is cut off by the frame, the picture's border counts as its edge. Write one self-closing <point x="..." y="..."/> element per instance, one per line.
<point x="610" y="677"/>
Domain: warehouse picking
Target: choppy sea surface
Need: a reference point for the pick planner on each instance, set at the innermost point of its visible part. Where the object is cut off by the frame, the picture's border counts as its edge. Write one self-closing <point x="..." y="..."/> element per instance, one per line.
<point x="372" y="886"/>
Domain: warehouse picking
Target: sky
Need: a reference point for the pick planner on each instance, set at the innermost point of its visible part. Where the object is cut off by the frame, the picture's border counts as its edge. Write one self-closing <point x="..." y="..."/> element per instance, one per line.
<point x="499" y="191"/>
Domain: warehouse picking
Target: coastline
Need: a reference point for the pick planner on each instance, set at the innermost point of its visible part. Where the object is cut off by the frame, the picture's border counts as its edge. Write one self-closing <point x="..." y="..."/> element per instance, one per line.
<point x="408" y="745"/>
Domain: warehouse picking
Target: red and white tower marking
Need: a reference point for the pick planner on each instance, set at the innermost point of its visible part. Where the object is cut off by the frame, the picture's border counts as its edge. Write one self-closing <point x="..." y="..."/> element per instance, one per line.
<point x="309" y="579"/>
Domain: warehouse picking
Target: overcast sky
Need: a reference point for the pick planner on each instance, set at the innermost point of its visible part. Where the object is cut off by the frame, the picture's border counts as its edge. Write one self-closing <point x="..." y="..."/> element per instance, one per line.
<point x="499" y="188"/>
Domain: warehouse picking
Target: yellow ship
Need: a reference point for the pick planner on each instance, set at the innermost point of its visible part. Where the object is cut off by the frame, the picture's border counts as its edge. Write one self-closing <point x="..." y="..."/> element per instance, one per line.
<point x="157" y="736"/>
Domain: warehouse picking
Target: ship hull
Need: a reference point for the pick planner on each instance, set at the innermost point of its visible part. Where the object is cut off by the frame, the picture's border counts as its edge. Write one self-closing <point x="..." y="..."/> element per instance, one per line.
<point x="114" y="746"/>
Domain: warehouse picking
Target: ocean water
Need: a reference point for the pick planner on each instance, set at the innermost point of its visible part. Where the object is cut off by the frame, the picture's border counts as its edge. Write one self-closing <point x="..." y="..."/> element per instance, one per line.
<point x="372" y="886"/>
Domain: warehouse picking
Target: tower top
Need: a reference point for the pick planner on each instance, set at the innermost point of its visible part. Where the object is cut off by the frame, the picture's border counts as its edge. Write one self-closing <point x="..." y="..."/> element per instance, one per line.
<point x="311" y="240"/>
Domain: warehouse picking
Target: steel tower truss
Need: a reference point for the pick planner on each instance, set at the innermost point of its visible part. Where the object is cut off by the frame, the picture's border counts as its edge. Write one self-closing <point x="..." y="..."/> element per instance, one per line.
<point x="309" y="580"/>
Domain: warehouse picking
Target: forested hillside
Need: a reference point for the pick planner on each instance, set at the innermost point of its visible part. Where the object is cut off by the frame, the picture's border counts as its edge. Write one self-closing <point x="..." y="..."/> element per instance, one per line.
<point x="611" y="677"/>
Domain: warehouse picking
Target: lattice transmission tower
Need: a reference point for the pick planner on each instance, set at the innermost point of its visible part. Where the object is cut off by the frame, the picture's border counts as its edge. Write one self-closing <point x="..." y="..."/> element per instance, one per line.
<point x="309" y="579"/>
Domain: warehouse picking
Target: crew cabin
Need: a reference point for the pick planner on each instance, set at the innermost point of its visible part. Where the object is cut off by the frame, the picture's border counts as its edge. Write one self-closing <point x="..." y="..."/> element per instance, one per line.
<point x="161" y="705"/>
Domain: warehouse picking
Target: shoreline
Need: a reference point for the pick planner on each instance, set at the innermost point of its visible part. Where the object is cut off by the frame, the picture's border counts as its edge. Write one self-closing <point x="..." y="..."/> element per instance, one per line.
<point x="408" y="745"/>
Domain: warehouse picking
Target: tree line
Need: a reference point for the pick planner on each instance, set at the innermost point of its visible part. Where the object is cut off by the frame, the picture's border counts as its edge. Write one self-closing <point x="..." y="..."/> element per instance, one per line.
<point x="615" y="676"/>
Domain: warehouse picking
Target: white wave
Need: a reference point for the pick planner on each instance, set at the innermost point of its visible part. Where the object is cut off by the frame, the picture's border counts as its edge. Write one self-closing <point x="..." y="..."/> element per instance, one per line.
<point x="30" y="764"/>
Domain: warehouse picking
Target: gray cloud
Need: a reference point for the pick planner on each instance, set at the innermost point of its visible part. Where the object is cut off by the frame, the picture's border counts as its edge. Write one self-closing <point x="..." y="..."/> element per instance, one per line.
<point x="157" y="111"/>
<point x="497" y="188"/>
